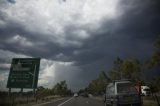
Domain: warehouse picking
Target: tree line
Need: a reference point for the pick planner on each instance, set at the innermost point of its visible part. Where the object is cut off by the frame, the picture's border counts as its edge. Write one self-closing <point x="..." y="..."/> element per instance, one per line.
<point x="60" y="89"/>
<point x="131" y="69"/>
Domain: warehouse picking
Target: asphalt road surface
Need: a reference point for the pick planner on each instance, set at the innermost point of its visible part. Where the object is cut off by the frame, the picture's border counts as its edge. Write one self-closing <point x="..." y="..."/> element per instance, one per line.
<point x="76" y="101"/>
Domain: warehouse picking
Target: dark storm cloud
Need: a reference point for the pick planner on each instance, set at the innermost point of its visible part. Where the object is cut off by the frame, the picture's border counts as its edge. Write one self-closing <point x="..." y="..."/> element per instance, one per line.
<point x="138" y="23"/>
<point x="129" y="35"/>
<point x="11" y="1"/>
<point x="140" y="19"/>
<point x="41" y="47"/>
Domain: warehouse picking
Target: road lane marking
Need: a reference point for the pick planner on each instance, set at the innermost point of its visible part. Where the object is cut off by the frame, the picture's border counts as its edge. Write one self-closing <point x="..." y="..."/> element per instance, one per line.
<point x="65" y="102"/>
<point x="87" y="102"/>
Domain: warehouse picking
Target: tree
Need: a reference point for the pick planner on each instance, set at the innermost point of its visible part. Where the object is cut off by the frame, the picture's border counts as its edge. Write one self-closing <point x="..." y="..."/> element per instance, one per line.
<point x="155" y="59"/>
<point x="102" y="81"/>
<point x="131" y="69"/>
<point x="93" y="87"/>
<point x="153" y="63"/>
<point x="118" y="64"/>
<point x="43" y="92"/>
<point x="116" y="72"/>
<point x="61" y="88"/>
<point x="125" y="69"/>
<point x="98" y="85"/>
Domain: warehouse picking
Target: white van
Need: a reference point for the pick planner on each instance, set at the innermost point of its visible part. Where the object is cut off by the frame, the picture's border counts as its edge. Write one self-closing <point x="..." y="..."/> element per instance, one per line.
<point x="120" y="93"/>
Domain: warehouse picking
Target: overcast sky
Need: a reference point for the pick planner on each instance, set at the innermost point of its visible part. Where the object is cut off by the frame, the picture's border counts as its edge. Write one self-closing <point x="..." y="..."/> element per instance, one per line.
<point x="76" y="39"/>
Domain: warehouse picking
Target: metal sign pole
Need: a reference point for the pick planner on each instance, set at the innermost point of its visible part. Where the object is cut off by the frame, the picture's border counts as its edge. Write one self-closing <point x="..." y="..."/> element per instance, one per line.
<point x="9" y="92"/>
<point x="34" y="92"/>
<point x="9" y="95"/>
<point x="21" y="91"/>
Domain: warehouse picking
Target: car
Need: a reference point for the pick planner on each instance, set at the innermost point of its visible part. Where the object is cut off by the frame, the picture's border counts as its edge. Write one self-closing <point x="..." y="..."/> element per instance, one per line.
<point x="90" y="95"/>
<point x="120" y="93"/>
<point x="75" y="95"/>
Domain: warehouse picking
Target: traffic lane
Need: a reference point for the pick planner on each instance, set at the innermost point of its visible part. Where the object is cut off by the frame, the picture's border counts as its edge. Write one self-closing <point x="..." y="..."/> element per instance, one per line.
<point x="83" y="101"/>
<point x="56" y="103"/>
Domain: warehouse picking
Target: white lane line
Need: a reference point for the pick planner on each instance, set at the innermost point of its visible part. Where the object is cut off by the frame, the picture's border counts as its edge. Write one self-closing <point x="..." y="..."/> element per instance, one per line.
<point x="87" y="102"/>
<point x="65" y="102"/>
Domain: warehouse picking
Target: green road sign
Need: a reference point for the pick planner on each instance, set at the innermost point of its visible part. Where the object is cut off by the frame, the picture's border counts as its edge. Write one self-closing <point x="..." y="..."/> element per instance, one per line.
<point x="24" y="73"/>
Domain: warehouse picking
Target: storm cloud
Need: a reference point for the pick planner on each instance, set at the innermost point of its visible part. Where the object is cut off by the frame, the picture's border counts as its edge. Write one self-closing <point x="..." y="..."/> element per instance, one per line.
<point x="79" y="38"/>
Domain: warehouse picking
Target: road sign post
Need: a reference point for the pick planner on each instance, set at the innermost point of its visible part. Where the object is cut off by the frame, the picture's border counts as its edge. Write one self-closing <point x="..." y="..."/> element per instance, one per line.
<point x="23" y="73"/>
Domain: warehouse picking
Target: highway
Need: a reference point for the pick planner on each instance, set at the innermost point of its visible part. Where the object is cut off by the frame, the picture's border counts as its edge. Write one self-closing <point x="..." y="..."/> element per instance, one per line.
<point x="76" y="101"/>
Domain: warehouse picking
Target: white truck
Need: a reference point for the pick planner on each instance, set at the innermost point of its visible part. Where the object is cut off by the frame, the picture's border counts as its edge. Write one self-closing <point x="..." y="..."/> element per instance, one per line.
<point x="145" y="90"/>
<point x="120" y="93"/>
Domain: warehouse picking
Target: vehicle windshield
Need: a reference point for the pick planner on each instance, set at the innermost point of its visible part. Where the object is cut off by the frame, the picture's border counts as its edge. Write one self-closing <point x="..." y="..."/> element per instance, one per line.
<point x="125" y="88"/>
<point x="79" y="52"/>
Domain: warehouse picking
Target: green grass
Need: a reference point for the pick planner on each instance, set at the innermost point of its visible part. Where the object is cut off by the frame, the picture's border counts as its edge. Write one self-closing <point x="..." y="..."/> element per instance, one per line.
<point x="149" y="101"/>
<point x="43" y="100"/>
<point x="99" y="98"/>
<point x="24" y="101"/>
